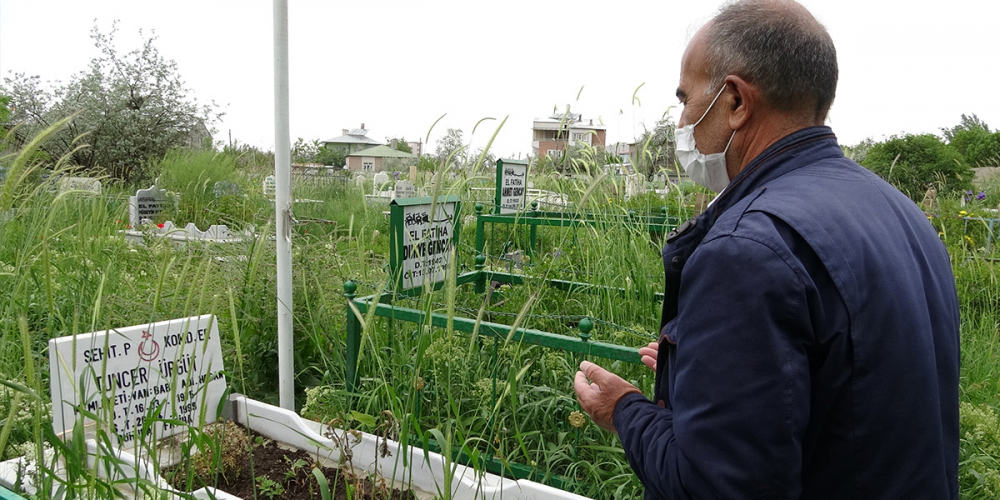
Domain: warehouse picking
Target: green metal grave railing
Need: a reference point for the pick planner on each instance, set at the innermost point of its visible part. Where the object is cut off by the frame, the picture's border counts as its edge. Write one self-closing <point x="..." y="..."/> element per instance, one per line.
<point x="383" y="304"/>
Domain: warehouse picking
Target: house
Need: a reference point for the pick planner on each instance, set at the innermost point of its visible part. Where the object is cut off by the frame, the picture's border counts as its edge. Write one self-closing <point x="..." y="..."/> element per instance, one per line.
<point x="553" y="135"/>
<point x="352" y="141"/>
<point x="379" y="158"/>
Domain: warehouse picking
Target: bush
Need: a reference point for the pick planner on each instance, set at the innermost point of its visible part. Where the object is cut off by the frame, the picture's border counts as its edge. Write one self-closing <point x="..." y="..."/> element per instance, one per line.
<point x="914" y="163"/>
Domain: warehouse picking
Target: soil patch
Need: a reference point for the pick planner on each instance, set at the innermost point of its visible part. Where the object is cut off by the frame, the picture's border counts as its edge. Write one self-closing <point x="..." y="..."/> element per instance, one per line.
<point x="274" y="472"/>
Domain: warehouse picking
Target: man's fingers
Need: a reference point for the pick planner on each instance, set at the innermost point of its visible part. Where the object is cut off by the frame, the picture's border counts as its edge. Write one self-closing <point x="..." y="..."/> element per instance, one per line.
<point x="649" y="361"/>
<point x="581" y="386"/>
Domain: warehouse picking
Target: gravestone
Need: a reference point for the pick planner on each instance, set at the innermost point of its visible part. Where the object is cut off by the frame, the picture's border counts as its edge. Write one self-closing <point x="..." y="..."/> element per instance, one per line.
<point x="85" y="184"/>
<point x="422" y="241"/>
<point x="380" y="179"/>
<point x="512" y="185"/>
<point x="633" y="185"/>
<point x="269" y="187"/>
<point x="171" y="370"/>
<point x="701" y="201"/>
<point x="413" y="173"/>
<point x="359" y="180"/>
<point x="405" y="189"/>
<point x="146" y="205"/>
<point x="929" y="204"/>
<point x="225" y="188"/>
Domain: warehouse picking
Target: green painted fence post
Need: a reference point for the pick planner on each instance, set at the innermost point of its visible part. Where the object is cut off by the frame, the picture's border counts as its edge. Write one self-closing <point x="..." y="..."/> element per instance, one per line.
<point x="480" y="230"/>
<point x="481" y="276"/>
<point x="353" y="337"/>
<point x="533" y="232"/>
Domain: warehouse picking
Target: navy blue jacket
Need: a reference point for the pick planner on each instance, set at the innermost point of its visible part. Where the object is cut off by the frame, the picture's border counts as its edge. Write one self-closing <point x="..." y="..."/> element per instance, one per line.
<point x="809" y="345"/>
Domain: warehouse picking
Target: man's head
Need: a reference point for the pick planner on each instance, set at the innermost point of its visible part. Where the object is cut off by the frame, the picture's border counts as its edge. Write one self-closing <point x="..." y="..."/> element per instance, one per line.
<point x="779" y="68"/>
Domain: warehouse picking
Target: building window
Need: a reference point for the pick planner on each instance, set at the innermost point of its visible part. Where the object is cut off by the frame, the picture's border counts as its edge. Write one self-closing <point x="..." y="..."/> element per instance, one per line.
<point x="368" y="165"/>
<point x="554" y="153"/>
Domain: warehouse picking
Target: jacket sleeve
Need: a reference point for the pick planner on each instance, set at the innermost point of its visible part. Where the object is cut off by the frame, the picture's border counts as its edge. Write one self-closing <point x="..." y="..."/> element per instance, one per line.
<point x="739" y="398"/>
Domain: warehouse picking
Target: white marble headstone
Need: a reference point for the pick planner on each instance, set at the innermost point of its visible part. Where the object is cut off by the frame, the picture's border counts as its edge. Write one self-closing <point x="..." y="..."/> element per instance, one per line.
<point x="380" y="179"/>
<point x="170" y="370"/>
<point x="86" y="184"/>
<point x="405" y="189"/>
<point x="146" y="204"/>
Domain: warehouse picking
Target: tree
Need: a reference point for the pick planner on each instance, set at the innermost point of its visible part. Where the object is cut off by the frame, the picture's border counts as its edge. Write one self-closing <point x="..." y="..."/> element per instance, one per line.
<point x="399" y="144"/>
<point x="656" y="149"/>
<point x="331" y="156"/>
<point x="451" y="145"/>
<point x="305" y="151"/>
<point x="129" y="109"/>
<point x="914" y="163"/>
<point x="974" y="140"/>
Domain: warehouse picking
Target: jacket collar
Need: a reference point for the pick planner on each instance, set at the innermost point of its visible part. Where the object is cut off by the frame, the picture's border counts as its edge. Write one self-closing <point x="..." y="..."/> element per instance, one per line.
<point x="773" y="163"/>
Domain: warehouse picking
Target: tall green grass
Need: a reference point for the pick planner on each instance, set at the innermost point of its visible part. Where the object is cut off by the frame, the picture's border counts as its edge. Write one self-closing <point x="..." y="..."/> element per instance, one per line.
<point x="65" y="269"/>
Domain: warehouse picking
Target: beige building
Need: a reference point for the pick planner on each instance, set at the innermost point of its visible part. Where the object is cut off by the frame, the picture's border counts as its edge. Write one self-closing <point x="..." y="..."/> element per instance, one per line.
<point x="377" y="159"/>
<point x="553" y="135"/>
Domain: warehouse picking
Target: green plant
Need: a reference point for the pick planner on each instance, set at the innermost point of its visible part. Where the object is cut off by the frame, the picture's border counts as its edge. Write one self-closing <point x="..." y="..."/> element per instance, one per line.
<point x="268" y="487"/>
<point x="914" y="163"/>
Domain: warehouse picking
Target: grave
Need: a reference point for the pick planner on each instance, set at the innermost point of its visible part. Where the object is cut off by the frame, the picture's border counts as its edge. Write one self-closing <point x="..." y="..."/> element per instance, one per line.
<point x="84" y="184"/>
<point x="634" y="185"/>
<point x="512" y="183"/>
<point x="268" y="187"/>
<point x="422" y="235"/>
<point x="929" y="203"/>
<point x="225" y="188"/>
<point x="171" y="370"/>
<point x="404" y="189"/>
<point x="380" y="179"/>
<point x="146" y="205"/>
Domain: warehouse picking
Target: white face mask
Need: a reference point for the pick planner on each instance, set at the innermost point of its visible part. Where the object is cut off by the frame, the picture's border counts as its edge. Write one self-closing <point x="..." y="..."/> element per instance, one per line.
<point x="706" y="170"/>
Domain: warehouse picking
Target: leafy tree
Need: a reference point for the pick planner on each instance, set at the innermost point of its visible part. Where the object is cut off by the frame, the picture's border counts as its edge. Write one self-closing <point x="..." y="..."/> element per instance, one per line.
<point x="331" y="156"/>
<point x="914" y="163"/>
<point x="859" y="151"/>
<point x="305" y="151"/>
<point x="401" y="144"/>
<point x="451" y="145"/>
<point x="129" y="109"/>
<point x="656" y="149"/>
<point x="974" y="140"/>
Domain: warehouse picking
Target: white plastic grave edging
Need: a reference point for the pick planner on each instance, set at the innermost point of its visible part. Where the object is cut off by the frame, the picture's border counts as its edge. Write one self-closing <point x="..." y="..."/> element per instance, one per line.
<point x="425" y="471"/>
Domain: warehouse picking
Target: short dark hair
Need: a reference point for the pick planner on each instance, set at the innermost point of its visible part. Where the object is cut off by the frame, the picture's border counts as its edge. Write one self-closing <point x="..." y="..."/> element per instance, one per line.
<point x="777" y="46"/>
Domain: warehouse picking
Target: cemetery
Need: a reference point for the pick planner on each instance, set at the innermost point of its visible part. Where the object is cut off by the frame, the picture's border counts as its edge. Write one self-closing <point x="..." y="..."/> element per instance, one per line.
<point x="188" y="315"/>
<point x="438" y="323"/>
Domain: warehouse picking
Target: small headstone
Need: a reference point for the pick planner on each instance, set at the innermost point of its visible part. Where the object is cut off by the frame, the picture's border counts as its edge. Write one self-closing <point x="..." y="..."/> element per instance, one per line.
<point x="405" y="189"/>
<point x="226" y="188"/>
<point x="121" y="374"/>
<point x="701" y="201"/>
<point x="146" y="205"/>
<point x="269" y="187"/>
<point x="413" y="173"/>
<point x="381" y="179"/>
<point x="929" y="204"/>
<point x="359" y="181"/>
<point x="85" y="184"/>
<point x="633" y="186"/>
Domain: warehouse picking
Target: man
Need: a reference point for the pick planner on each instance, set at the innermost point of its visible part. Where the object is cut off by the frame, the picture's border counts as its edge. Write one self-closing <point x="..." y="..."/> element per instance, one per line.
<point x="809" y="345"/>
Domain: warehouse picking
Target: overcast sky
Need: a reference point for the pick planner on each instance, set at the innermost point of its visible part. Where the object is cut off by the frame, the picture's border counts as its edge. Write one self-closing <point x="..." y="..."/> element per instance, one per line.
<point x="909" y="66"/>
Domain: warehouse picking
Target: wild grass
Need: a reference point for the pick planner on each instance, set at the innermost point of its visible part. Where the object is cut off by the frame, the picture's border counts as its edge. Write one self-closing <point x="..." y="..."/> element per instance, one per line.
<point x="65" y="269"/>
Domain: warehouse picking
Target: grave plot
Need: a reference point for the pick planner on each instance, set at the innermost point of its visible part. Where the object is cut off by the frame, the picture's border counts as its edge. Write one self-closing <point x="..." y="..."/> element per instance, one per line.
<point x="426" y="257"/>
<point x="140" y="400"/>
<point x="148" y="204"/>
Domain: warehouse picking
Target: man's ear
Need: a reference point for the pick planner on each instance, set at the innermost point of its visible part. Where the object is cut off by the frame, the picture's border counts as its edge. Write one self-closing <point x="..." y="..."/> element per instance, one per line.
<point x="743" y="103"/>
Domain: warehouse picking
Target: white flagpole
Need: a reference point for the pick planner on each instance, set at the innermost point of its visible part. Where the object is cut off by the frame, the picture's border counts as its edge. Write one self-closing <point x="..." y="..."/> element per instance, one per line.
<point x="282" y="208"/>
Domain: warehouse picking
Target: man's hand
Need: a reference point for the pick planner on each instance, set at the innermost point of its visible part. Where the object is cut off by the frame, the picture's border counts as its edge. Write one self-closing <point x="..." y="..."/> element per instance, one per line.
<point x="599" y="398"/>
<point x="649" y="354"/>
